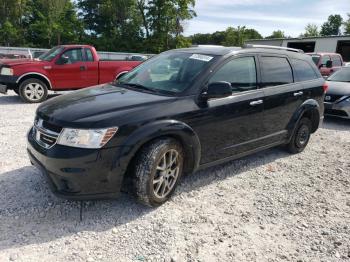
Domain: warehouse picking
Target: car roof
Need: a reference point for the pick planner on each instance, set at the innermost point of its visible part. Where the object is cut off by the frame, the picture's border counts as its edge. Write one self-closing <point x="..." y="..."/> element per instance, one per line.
<point x="322" y="53"/>
<point x="222" y="51"/>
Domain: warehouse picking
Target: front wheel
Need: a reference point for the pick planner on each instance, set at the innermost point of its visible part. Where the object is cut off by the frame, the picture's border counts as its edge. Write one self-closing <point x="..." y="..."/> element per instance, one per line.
<point x="158" y="169"/>
<point x="301" y="136"/>
<point x="33" y="91"/>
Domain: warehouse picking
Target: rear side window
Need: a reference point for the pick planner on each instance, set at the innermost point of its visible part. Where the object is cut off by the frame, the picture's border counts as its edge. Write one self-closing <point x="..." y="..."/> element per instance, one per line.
<point x="89" y="56"/>
<point x="275" y="71"/>
<point x="303" y="70"/>
<point x="336" y="60"/>
<point x="240" y="72"/>
<point x="324" y="60"/>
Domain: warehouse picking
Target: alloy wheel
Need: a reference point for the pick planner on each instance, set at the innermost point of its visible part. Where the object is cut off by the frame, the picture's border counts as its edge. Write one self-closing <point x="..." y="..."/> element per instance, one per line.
<point x="34" y="91"/>
<point x="167" y="173"/>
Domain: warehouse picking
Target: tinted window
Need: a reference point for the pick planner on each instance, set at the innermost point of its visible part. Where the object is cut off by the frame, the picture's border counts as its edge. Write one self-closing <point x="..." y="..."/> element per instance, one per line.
<point x="336" y="60"/>
<point x="240" y="72"/>
<point x="316" y="59"/>
<point x="73" y="55"/>
<point x="89" y="56"/>
<point x="325" y="58"/>
<point x="303" y="71"/>
<point x="276" y="71"/>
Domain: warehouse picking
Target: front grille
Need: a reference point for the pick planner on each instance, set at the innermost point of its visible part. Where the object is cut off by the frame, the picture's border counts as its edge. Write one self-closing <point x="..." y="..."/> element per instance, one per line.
<point x="45" y="134"/>
<point x="336" y="112"/>
<point x="332" y="98"/>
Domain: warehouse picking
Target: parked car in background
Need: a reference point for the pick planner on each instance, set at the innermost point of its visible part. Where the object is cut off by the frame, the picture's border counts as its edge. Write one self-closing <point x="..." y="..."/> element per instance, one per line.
<point x="347" y="64"/>
<point x="180" y="111"/>
<point x="327" y="63"/>
<point x="337" y="99"/>
<point x="66" y="67"/>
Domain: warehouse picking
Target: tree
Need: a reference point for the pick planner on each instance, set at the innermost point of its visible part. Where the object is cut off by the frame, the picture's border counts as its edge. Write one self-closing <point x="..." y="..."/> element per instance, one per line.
<point x="347" y="25"/>
<point x="276" y="34"/>
<point x="332" y="26"/>
<point x="53" y="22"/>
<point x="311" y="30"/>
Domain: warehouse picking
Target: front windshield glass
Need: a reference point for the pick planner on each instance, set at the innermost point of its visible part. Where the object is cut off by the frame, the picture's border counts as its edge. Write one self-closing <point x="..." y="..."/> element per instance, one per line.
<point x="51" y="54"/>
<point x="342" y="75"/>
<point x="170" y="72"/>
<point x="315" y="58"/>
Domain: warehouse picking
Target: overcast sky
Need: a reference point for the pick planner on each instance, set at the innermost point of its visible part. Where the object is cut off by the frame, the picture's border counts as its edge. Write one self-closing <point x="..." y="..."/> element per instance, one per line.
<point x="290" y="16"/>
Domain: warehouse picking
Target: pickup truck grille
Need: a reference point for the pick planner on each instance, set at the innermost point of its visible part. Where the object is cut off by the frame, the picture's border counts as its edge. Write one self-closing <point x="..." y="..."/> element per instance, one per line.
<point x="45" y="134"/>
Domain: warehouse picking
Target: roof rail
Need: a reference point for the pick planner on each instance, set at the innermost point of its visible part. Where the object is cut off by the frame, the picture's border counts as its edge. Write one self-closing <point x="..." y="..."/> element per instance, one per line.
<point x="274" y="47"/>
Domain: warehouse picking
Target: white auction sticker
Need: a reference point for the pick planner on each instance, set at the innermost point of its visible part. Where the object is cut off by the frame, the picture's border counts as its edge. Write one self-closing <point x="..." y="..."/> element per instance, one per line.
<point x="205" y="58"/>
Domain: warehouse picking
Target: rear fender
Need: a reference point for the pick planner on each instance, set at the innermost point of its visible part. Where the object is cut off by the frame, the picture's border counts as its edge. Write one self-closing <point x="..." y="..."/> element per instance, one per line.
<point x="309" y="108"/>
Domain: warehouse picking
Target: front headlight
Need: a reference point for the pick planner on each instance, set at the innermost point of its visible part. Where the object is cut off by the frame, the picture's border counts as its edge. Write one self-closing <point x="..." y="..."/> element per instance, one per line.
<point x="86" y="138"/>
<point x="7" y="71"/>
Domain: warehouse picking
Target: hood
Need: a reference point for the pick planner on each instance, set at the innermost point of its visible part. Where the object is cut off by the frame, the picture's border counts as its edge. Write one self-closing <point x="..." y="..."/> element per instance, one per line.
<point x="15" y="62"/>
<point x="338" y="88"/>
<point x="98" y="106"/>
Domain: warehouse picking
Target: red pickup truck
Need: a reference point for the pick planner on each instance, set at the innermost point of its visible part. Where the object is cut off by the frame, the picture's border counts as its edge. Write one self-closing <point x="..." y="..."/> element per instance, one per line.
<point x="65" y="67"/>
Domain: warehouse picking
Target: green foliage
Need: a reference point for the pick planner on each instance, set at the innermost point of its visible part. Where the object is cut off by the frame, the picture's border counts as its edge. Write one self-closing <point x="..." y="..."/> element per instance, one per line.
<point x="332" y="26"/>
<point x="347" y="26"/>
<point x="230" y="37"/>
<point x="311" y="30"/>
<point x="276" y="34"/>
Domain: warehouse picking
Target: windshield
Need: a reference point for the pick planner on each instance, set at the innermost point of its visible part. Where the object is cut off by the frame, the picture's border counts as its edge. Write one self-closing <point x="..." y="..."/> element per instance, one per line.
<point x="51" y="54"/>
<point x="315" y="58"/>
<point x="343" y="75"/>
<point x="170" y="72"/>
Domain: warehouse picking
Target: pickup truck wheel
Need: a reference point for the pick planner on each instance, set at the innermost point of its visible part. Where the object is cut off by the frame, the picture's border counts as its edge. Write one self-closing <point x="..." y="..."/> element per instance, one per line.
<point x="301" y="136"/>
<point x="157" y="171"/>
<point x="33" y="91"/>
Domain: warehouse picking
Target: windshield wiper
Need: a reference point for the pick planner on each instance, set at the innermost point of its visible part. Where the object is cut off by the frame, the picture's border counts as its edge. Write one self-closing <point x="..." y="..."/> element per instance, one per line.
<point x="138" y="86"/>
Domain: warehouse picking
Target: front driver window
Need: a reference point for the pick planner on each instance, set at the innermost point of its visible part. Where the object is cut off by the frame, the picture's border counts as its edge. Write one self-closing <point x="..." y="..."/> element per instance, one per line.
<point x="240" y="72"/>
<point x="73" y="56"/>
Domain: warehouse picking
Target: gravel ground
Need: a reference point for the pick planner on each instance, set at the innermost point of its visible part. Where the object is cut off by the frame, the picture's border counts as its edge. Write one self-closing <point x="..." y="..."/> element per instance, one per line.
<point x="271" y="206"/>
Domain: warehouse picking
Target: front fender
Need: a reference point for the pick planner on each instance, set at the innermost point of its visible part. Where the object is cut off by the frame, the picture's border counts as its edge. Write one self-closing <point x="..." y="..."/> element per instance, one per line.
<point x="163" y="128"/>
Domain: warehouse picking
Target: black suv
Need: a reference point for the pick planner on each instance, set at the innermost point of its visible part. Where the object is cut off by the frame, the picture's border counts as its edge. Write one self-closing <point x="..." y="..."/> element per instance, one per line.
<point x="180" y="111"/>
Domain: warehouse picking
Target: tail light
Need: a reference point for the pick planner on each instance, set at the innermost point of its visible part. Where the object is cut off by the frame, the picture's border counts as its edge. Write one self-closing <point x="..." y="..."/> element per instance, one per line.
<point x="325" y="87"/>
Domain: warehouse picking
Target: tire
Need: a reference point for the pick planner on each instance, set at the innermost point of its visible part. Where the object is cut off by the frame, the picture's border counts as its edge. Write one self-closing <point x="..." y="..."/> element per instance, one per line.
<point x="301" y="137"/>
<point x="152" y="165"/>
<point x="33" y="91"/>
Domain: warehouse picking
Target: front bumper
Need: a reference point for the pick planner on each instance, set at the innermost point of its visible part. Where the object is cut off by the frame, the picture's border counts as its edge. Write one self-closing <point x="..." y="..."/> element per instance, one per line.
<point x="78" y="174"/>
<point x="338" y="109"/>
<point x="7" y="82"/>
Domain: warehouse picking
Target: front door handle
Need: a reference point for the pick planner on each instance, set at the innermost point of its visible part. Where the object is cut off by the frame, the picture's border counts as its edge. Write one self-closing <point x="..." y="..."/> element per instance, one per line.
<point x="298" y="93"/>
<point x="257" y="102"/>
<point x="82" y="68"/>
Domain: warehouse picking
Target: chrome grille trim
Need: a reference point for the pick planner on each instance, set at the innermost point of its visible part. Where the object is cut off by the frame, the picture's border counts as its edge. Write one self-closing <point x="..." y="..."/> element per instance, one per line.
<point x="39" y="131"/>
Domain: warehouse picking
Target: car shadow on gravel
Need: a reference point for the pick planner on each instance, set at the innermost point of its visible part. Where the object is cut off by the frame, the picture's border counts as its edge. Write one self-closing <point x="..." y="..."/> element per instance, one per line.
<point x="338" y="124"/>
<point x="31" y="214"/>
<point x="12" y="99"/>
<point x="232" y="168"/>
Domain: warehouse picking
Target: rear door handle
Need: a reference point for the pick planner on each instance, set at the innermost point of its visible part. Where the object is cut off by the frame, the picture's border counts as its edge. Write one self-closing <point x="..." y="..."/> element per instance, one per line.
<point x="299" y="93"/>
<point x="257" y="102"/>
<point x="82" y="68"/>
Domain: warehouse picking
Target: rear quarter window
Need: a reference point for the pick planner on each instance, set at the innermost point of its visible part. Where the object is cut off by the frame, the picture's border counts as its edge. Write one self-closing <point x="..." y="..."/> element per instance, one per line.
<point x="303" y="71"/>
<point x="275" y="71"/>
<point x="336" y="60"/>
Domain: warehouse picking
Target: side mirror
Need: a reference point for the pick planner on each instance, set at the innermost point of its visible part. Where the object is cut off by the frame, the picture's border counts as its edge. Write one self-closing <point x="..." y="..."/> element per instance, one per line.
<point x="63" y="60"/>
<point x="329" y="64"/>
<point x="218" y="90"/>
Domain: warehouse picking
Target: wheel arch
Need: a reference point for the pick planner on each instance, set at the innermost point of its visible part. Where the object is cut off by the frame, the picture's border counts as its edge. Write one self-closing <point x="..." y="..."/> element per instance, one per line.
<point x="310" y="109"/>
<point x="35" y="75"/>
<point x="166" y="128"/>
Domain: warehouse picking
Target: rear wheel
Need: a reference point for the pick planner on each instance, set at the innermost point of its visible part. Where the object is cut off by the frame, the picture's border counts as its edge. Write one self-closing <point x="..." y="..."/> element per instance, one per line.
<point x="33" y="91"/>
<point x="158" y="169"/>
<point x="301" y="136"/>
